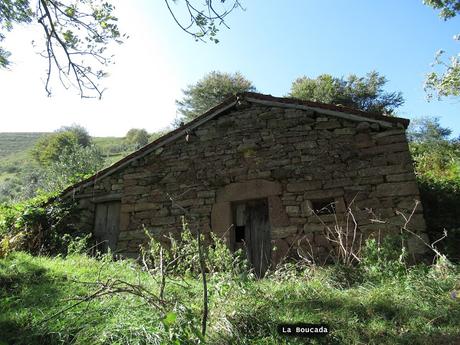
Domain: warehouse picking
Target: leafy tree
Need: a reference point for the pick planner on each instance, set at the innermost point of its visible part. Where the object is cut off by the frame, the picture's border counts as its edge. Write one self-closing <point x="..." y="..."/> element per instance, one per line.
<point x="445" y="82"/>
<point x="209" y="91"/>
<point x="436" y="156"/>
<point x="448" y="8"/>
<point x="363" y="93"/>
<point x="200" y="19"/>
<point x="48" y="148"/>
<point x="11" y="12"/>
<point x="77" y="34"/>
<point x="427" y="129"/>
<point x="83" y="137"/>
<point x="73" y="164"/>
<point x="137" y="137"/>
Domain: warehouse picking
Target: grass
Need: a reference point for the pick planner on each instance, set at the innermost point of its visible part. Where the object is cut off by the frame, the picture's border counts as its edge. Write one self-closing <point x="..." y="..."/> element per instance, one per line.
<point x="416" y="308"/>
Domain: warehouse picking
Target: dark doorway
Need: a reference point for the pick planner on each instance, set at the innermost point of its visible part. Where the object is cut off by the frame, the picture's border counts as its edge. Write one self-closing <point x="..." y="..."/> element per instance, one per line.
<point x="252" y="231"/>
<point x="107" y="225"/>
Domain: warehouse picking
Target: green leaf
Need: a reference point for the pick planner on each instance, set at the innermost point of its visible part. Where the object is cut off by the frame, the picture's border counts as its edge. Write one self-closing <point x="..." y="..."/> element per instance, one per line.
<point x="169" y="319"/>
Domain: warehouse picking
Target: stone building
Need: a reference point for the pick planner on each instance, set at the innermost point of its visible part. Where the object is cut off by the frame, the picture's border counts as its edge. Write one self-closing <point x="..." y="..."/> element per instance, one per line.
<point x="262" y="172"/>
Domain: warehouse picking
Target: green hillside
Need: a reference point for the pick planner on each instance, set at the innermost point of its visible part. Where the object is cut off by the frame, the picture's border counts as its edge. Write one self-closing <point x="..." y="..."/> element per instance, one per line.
<point x="15" y="158"/>
<point x="14" y="148"/>
<point x="13" y="143"/>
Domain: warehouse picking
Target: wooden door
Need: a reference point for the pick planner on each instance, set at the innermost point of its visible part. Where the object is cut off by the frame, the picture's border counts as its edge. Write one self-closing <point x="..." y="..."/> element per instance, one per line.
<point x="107" y="225"/>
<point x="252" y="227"/>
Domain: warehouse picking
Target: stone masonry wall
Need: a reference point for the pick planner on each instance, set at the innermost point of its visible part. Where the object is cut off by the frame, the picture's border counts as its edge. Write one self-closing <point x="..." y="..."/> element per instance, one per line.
<point x="299" y="155"/>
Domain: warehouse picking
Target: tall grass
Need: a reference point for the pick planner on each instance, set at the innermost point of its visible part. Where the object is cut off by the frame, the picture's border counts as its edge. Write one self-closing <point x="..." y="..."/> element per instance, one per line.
<point x="417" y="306"/>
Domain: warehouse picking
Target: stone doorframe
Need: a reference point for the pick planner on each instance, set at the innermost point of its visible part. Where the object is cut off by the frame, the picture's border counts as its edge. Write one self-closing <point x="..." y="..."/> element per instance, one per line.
<point x="221" y="214"/>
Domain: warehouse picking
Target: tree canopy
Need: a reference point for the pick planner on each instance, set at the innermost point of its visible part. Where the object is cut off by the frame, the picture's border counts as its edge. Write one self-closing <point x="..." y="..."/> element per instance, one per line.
<point x="446" y="80"/>
<point x="48" y="149"/>
<point x="200" y="18"/>
<point x="436" y="156"/>
<point x="448" y="8"/>
<point x="82" y="135"/>
<point x="363" y="93"/>
<point x="78" y="33"/>
<point x="209" y="91"/>
<point x="137" y="137"/>
<point x="427" y="129"/>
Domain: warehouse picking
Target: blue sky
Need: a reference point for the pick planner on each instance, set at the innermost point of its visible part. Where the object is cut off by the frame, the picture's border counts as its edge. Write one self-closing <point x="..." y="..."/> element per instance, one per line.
<point x="271" y="44"/>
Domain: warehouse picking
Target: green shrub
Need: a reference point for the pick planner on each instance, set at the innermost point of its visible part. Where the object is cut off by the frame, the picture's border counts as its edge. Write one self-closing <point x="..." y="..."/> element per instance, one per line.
<point x="383" y="259"/>
<point x="36" y="226"/>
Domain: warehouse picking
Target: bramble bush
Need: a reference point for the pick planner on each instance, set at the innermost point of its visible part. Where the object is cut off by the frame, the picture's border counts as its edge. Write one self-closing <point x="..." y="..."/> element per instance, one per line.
<point x="36" y="226"/>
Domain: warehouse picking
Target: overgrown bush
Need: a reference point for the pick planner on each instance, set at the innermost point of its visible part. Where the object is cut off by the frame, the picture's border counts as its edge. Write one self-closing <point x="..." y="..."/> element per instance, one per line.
<point x="36" y="226"/>
<point x="383" y="259"/>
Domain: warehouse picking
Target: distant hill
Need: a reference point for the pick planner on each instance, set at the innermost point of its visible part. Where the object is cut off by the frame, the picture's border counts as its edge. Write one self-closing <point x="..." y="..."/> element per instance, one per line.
<point x="15" y="148"/>
<point x="13" y="143"/>
<point x="16" y="162"/>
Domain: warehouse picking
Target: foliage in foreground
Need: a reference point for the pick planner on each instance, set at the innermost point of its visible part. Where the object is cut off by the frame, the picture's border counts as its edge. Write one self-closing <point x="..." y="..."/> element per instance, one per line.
<point x="36" y="225"/>
<point x="84" y="300"/>
<point x="444" y="80"/>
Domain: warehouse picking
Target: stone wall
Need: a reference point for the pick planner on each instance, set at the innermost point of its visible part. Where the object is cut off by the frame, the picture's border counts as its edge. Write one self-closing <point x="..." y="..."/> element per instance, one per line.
<point x="292" y="157"/>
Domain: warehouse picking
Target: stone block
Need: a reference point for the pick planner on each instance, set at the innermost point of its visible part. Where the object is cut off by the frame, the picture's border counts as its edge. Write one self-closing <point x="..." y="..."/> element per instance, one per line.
<point x="221" y="217"/>
<point x="323" y="194"/>
<point x="363" y="126"/>
<point x="162" y="220"/>
<point x="277" y="213"/>
<point x="363" y="140"/>
<point x="307" y="208"/>
<point x="253" y="189"/>
<point x="390" y="148"/>
<point x="345" y="131"/>
<point x="206" y="194"/>
<point x="283" y="232"/>
<point x="145" y="206"/>
<point x="313" y="227"/>
<point x="124" y="221"/>
<point x="331" y="124"/>
<point x="397" y="188"/>
<point x="136" y="190"/>
<point x="292" y="210"/>
<point x="401" y="177"/>
<point x="338" y="183"/>
<point x="389" y="132"/>
<point x="303" y="186"/>
<point x="305" y="145"/>
<point x="392" y="139"/>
